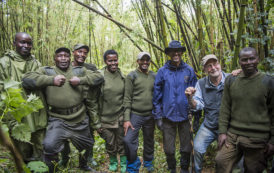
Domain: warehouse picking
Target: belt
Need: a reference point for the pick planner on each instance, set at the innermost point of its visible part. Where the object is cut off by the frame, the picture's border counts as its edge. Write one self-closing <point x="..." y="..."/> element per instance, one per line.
<point x="66" y="111"/>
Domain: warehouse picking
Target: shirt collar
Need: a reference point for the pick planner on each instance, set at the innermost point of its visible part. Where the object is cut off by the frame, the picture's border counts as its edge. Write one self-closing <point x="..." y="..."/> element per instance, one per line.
<point x="221" y="82"/>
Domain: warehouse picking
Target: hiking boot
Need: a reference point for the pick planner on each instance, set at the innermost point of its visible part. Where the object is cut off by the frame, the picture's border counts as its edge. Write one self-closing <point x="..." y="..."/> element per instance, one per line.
<point x="134" y="166"/>
<point x="149" y="166"/>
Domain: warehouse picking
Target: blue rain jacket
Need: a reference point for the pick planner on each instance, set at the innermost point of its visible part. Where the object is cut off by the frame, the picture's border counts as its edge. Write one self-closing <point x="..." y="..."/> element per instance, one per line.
<point x="169" y="99"/>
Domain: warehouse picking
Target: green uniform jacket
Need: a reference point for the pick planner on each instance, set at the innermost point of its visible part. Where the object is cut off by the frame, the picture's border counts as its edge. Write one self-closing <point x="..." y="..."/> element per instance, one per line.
<point x="138" y="93"/>
<point x="13" y="66"/>
<point x="111" y="98"/>
<point x="74" y="100"/>
<point x="247" y="107"/>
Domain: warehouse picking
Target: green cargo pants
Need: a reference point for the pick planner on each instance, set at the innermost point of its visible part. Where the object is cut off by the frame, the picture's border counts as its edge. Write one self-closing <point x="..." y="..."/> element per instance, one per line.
<point x="114" y="140"/>
<point x="251" y="148"/>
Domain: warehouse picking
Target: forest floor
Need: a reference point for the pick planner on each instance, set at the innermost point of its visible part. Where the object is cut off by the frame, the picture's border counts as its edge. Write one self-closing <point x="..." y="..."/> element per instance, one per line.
<point x="7" y="165"/>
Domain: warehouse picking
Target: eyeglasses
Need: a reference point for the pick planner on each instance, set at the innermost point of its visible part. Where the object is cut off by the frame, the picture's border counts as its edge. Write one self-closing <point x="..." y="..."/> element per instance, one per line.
<point x="211" y="65"/>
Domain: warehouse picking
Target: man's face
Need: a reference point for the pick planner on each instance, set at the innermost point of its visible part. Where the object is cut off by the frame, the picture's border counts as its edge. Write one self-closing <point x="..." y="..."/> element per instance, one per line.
<point x="23" y="44"/>
<point x="112" y="63"/>
<point x="144" y="63"/>
<point x="80" y="56"/>
<point x="62" y="60"/>
<point x="175" y="55"/>
<point x="213" y="68"/>
<point x="248" y="61"/>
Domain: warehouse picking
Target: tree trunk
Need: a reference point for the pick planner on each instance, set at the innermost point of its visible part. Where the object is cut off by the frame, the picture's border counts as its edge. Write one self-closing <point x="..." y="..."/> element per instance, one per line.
<point x="239" y="33"/>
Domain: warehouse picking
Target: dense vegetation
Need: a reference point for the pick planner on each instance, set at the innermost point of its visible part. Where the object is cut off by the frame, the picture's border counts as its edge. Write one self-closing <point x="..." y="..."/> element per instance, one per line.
<point x="221" y="27"/>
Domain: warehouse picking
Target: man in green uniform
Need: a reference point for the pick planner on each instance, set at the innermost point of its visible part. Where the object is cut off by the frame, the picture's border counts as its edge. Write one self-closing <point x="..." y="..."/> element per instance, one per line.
<point x="13" y="65"/>
<point x="111" y="110"/>
<point x="80" y="52"/>
<point x="246" y="121"/>
<point x="68" y="102"/>
<point x="138" y="114"/>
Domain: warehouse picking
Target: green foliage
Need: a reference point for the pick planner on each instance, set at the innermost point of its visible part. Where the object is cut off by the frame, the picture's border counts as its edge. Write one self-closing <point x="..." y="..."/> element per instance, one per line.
<point x="99" y="149"/>
<point x="15" y="106"/>
<point x="21" y="132"/>
<point x="37" y="166"/>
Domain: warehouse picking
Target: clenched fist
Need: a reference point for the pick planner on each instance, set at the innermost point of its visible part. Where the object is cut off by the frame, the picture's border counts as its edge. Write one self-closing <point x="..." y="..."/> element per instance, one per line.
<point x="59" y="80"/>
<point x="74" y="81"/>
<point x="189" y="92"/>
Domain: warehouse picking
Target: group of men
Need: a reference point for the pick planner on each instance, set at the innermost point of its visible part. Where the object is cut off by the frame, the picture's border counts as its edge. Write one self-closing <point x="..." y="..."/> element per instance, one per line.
<point x="238" y="110"/>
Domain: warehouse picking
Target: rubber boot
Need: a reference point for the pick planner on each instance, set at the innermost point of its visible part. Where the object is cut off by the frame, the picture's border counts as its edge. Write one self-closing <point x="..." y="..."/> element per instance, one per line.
<point x="123" y="163"/>
<point x="48" y="159"/>
<point x="65" y="155"/>
<point x="113" y="163"/>
<point x="149" y="166"/>
<point x="134" y="166"/>
<point x="83" y="161"/>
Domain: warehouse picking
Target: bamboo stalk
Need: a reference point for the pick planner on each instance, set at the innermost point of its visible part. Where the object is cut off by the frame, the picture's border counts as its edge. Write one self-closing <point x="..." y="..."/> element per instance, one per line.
<point x="223" y="24"/>
<point x="239" y="34"/>
<point x="120" y="24"/>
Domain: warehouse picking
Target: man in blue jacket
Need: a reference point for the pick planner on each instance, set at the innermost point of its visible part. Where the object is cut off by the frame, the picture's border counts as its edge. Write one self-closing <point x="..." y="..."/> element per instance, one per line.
<point x="171" y="105"/>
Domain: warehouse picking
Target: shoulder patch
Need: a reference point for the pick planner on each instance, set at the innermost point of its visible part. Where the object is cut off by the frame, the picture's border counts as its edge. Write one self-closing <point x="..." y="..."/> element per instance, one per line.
<point x="78" y="71"/>
<point x="133" y="75"/>
<point x="268" y="80"/>
<point x="49" y="71"/>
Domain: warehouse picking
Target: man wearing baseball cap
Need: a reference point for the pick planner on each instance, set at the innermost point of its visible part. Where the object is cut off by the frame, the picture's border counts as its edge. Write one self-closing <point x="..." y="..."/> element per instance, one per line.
<point x="138" y="114"/>
<point x="67" y="105"/>
<point x="207" y="96"/>
<point x="171" y="105"/>
<point x="80" y="52"/>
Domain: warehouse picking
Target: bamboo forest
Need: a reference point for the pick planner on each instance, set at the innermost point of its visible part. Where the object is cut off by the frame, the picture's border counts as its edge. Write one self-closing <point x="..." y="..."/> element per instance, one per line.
<point x="203" y="27"/>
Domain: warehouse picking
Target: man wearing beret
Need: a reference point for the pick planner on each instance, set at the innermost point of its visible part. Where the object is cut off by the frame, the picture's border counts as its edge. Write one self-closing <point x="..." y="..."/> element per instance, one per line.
<point x="67" y="104"/>
<point x="171" y="105"/>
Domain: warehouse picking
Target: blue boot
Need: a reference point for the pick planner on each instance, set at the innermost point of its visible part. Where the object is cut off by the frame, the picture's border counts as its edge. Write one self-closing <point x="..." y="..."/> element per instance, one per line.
<point x="134" y="167"/>
<point x="149" y="166"/>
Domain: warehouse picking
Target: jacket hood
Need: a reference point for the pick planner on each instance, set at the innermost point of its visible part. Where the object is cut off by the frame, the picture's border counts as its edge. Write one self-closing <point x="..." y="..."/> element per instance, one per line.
<point x="15" y="56"/>
<point x="172" y="67"/>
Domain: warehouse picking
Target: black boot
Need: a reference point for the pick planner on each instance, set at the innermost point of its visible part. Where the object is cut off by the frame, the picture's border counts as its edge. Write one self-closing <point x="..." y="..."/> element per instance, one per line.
<point x="171" y="163"/>
<point x="65" y="155"/>
<point x="48" y="159"/>
<point x="185" y="161"/>
<point x="83" y="161"/>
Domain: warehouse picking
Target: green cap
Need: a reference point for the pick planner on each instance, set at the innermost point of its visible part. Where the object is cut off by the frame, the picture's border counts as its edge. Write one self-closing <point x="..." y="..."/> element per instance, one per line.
<point x="79" y="46"/>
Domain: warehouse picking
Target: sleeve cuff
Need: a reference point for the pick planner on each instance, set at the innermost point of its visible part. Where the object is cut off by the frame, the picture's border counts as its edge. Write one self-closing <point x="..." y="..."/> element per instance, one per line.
<point x="83" y="80"/>
<point x="127" y="115"/>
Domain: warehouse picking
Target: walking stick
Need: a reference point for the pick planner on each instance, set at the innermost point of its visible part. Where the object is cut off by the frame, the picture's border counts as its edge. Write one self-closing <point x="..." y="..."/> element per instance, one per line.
<point x="191" y="140"/>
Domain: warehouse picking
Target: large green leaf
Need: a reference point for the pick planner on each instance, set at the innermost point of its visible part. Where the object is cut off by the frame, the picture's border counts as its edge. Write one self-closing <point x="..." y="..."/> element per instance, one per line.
<point x="11" y="84"/>
<point x="21" y="132"/>
<point x="37" y="166"/>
